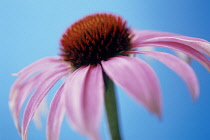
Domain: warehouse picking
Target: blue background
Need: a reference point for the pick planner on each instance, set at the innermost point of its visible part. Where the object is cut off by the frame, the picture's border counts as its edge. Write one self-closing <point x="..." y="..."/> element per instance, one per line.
<point x="31" y="29"/>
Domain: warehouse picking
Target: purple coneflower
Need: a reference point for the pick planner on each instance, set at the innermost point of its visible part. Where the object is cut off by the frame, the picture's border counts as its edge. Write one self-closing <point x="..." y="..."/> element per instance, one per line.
<point x="94" y="51"/>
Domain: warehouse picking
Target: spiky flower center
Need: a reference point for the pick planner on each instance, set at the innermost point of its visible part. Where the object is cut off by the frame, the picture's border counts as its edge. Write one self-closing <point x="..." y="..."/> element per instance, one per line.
<point x="95" y="38"/>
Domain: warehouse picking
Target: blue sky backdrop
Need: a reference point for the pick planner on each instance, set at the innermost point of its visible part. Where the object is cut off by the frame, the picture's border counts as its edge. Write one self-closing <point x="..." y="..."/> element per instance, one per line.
<point x="31" y="29"/>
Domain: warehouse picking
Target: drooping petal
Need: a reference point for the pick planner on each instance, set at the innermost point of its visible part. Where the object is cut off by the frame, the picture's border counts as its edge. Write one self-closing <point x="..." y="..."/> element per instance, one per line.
<point x="19" y="96"/>
<point x="56" y="115"/>
<point x="185" y="49"/>
<point x="137" y="78"/>
<point x="188" y="45"/>
<point x="41" y="111"/>
<point x="37" y="65"/>
<point x="37" y="98"/>
<point x="84" y="94"/>
<point x="177" y="65"/>
<point x="22" y="90"/>
<point x="203" y="47"/>
<point x="142" y="35"/>
<point x="153" y="86"/>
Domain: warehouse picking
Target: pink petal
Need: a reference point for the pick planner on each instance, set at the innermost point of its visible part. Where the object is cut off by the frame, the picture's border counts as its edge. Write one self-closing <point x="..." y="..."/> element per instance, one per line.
<point x="84" y="95"/>
<point x="177" y="65"/>
<point x="197" y="45"/>
<point x="28" y="71"/>
<point x="56" y="115"/>
<point x="188" y="45"/>
<point x="142" y="35"/>
<point x="185" y="49"/>
<point x="23" y="89"/>
<point x="38" y="96"/>
<point x="39" y="64"/>
<point x="21" y="94"/>
<point x="42" y="110"/>
<point x="137" y="78"/>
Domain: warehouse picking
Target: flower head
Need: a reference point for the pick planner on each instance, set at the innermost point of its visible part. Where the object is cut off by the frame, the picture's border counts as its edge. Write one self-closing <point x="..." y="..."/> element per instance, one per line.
<point x="98" y="44"/>
<point x="95" y="38"/>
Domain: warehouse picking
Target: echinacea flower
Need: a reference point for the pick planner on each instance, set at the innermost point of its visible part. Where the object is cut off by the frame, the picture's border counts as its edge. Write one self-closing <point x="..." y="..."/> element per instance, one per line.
<point x="94" y="48"/>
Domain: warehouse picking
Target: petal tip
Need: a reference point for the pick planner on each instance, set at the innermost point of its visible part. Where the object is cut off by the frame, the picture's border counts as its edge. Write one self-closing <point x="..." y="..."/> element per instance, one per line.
<point x="158" y="113"/>
<point x="195" y="97"/>
<point x="160" y="117"/>
<point x="156" y="110"/>
<point x="14" y="74"/>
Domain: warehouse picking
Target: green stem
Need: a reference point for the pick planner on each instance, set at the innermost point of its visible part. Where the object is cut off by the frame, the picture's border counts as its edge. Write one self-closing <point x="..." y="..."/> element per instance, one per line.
<point x="111" y="109"/>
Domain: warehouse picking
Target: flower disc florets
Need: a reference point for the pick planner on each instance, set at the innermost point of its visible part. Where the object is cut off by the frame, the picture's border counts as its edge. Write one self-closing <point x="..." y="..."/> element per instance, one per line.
<point x="95" y="38"/>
